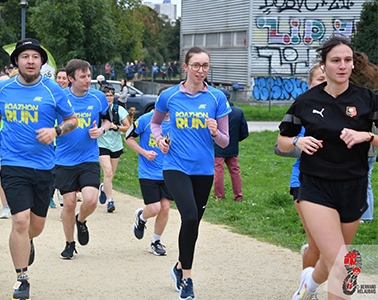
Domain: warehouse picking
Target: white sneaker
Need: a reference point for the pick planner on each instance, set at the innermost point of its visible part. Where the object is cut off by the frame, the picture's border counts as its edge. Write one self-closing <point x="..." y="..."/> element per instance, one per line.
<point x="303" y="249"/>
<point x="5" y="214"/>
<point x="303" y="293"/>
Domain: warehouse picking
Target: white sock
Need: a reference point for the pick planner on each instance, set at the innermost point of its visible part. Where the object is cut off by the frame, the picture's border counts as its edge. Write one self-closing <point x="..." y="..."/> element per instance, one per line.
<point x="312" y="285"/>
<point x="141" y="217"/>
<point x="156" y="238"/>
<point x="111" y="199"/>
<point x="5" y="206"/>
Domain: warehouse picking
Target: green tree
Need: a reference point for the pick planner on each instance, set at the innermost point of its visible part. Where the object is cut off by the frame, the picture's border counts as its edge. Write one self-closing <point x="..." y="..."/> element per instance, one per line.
<point x="129" y="29"/>
<point x="368" y="31"/>
<point x="10" y="26"/>
<point x="75" y="29"/>
<point x="171" y="38"/>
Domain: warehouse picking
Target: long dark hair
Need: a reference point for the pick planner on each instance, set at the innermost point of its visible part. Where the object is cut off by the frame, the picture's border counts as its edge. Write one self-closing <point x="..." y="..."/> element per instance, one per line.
<point x="364" y="73"/>
<point x="123" y="85"/>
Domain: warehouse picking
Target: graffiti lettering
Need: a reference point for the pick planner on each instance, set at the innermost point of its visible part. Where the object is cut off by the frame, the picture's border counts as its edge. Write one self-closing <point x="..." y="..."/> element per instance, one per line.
<point x="314" y="30"/>
<point x="285" y="61"/>
<point x="277" y="88"/>
<point x="272" y="25"/>
<point x="300" y="5"/>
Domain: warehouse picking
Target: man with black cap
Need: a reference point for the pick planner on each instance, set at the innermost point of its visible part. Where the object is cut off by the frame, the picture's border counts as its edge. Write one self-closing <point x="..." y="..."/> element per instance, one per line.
<point x="238" y="131"/>
<point x="29" y="104"/>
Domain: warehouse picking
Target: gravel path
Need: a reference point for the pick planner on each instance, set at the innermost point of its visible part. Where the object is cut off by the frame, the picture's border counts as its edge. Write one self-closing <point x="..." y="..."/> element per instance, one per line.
<point x="115" y="265"/>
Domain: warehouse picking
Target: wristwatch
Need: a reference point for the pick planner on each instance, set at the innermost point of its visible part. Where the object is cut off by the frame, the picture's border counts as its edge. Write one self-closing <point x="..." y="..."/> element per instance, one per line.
<point x="103" y="130"/>
<point x="295" y="140"/>
<point x="58" y="130"/>
<point x="371" y="137"/>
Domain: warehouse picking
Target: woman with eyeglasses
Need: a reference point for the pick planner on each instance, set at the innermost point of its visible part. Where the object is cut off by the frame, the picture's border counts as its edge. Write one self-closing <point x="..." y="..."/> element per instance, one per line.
<point x="198" y="117"/>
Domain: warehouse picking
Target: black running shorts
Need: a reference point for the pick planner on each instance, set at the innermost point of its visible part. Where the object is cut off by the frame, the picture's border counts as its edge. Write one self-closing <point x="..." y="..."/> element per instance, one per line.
<point x="348" y="197"/>
<point x="104" y="151"/>
<point x="294" y="192"/>
<point x="153" y="190"/>
<point x="72" y="178"/>
<point x="27" y="188"/>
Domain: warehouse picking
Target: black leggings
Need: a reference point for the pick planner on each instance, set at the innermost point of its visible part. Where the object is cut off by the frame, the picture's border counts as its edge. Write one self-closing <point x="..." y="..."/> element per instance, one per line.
<point x="190" y="192"/>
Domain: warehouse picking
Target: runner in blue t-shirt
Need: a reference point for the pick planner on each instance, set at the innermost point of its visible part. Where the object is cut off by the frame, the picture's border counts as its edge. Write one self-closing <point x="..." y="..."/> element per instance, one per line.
<point x="77" y="155"/>
<point x="155" y="193"/>
<point x="29" y="105"/>
<point x="198" y="116"/>
<point x="155" y="70"/>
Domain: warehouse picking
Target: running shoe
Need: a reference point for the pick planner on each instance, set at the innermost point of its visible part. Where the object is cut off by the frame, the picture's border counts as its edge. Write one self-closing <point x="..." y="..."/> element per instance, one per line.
<point x="68" y="252"/>
<point x="111" y="206"/>
<point x="5" y="214"/>
<point x="303" y="293"/>
<point x="186" y="292"/>
<point x="52" y="203"/>
<point x="82" y="232"/>
<point x="303" y="249"/>
<point x="22" y="290"/>
<point x="157" y="248"/>
<point x="176" y="274"/>
<point x="32" y="253"/>
<point x="139" y="225"/>
<point x="102" y="197"/>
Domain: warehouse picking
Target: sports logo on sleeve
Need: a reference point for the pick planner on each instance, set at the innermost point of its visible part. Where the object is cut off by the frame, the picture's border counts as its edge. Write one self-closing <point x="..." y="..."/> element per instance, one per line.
<point x="351" y="111"/>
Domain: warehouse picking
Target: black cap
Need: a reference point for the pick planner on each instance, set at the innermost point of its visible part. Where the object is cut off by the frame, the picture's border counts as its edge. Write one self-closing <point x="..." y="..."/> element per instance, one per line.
<point x="28" y="44"/>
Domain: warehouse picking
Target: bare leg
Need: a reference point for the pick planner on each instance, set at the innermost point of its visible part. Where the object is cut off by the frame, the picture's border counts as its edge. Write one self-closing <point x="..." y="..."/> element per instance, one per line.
<point x="19" y="242"/>
<point x="311" y="255"/>
<point x="331" y="237"/>
<point x="68" y="215"/>
<point x="162" y="217"/>
<point x="106" y="165"/>
<point x="89" y="202"/>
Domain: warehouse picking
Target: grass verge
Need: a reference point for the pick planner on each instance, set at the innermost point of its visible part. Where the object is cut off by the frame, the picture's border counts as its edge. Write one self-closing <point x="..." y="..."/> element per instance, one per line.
<point x="267" y="211"/>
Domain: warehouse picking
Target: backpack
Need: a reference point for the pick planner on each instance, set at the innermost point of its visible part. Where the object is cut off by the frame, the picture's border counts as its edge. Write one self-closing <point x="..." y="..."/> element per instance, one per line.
<point x="114" y="116"/>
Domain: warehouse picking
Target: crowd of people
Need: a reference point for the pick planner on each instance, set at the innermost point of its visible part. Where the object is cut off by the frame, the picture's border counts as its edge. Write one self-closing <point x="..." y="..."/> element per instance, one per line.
<point x="194" y="131"/>
<point x="138" y="70"/>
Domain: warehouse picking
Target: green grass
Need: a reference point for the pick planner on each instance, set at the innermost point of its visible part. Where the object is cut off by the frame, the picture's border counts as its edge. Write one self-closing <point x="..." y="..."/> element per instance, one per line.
<point x="267" y="211"/>
<point x="261" y="112"/>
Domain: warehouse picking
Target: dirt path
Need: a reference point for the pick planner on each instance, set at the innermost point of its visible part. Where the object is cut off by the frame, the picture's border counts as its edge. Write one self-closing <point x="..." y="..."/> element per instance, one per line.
<point x="115" y="265"/>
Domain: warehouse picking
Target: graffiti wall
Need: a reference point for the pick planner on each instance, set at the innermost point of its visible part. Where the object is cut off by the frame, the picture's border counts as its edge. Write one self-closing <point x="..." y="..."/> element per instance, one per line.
<point x="285" y="35"/>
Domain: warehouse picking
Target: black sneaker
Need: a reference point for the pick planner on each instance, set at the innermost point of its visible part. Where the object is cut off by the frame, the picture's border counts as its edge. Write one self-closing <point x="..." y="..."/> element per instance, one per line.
<point x="186" y="292"/>
<point x="157" y="248"/>
<point x="68" y="252"/>
<point x="139" y="225"/>
<point x="32" y="253"/>
<point x="22" y="290"/>
<point x="82" y="232"/>
<point x="177" y="277"/>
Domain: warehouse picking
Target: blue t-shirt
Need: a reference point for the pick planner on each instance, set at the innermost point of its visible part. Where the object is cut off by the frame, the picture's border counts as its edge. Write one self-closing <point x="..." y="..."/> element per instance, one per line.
<point x="24" y="109"/>
<point x="149" y="169"/>
<point x="78" y="147"/>
<point x="191" y="150"/>
<point x="155" y="69"/>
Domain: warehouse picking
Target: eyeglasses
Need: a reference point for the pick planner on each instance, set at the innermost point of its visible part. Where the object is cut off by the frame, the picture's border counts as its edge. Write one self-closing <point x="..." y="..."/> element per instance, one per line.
<point x="197" y="66"/>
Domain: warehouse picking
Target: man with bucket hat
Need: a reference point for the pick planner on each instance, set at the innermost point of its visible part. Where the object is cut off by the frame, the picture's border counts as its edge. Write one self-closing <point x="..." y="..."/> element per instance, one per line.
<point x="29" y="105"/>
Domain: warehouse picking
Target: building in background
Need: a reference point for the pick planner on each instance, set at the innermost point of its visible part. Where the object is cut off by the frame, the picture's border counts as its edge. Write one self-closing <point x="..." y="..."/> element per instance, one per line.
<point x="165" y="8"/>
<point x="250" y="39"/>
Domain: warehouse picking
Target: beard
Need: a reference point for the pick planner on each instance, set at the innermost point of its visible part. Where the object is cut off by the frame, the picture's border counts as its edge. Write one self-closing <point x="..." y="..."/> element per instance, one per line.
<point x="28" y="78"/>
